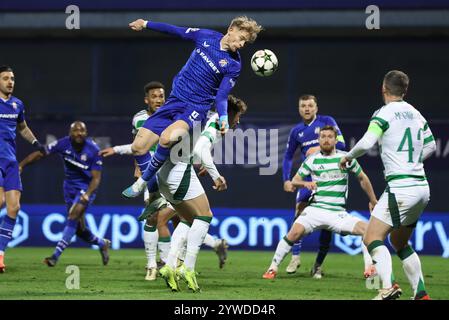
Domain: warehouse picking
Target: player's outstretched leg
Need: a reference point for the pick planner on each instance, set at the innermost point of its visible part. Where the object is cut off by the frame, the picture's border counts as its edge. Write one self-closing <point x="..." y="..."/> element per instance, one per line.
<point x="67" y="235"/>
<point x="220" y="247"/>
<point x="325" y="240"/>
<point x="86" y="234"/>
<point x="172" y="134"/>
<point x="283" y="248"/>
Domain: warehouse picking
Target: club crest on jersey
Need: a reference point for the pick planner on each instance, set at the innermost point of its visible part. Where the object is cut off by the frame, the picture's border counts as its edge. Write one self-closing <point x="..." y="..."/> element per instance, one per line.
<point x="14" y="105"/>
<point x="317" y="130"/>
<point x="83" y="157"/>
<point x="223" y="62"/>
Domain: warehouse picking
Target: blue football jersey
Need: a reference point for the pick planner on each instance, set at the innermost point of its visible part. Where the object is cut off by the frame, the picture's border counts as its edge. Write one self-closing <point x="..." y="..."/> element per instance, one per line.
<point x="77" y="165"/>
<point x="305" y="136"/>
<point x="11" y="113"/>
<point x="209" y="71"/>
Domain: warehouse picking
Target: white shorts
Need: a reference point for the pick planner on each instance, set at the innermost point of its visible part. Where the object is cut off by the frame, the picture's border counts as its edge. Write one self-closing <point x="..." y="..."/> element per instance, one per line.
<point x="313" y="218"/>
<point x="178" y="182"/>
<point x="405" y="208"/>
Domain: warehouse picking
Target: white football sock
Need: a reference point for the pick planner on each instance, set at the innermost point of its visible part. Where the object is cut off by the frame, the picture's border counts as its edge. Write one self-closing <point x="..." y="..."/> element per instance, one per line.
<point x="282" y="250"/>
<point x="382" y="259"/>
<point x="178" y="241"/>
<point x="195" y="239"/>
<point x="366" y="256"/>
<point x="412" y="268"/>
<point x="164" y="248"/>
<point x="150" y="241"/>
<point x="210" y="241"/>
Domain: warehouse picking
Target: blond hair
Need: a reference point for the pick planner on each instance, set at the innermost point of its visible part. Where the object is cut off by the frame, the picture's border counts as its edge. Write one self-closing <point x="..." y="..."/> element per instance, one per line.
<point x="247" y="24"/>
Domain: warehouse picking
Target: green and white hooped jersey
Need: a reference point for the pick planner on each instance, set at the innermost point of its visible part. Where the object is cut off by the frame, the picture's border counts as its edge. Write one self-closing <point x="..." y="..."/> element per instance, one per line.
<point x="138" y="120"/>
<point x="401" y="143"/>
<point x="332" y="183"/>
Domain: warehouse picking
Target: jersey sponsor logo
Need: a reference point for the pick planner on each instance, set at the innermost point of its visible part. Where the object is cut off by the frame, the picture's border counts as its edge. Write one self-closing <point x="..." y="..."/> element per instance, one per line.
<point x="192" y="30"/>
<point x="193" y="116"/>
<point x="308" y="143"/>
<point x="206" y="45"/>
<point x="76" y="163"/>
<point x="207" y="60"/>
<point x="223" y="62"/>
<point x="9" y="116"/>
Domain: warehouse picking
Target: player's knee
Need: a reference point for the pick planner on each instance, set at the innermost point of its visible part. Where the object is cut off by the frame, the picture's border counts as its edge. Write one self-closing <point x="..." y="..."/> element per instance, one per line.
<point x="138" y="149"/>
<point x="164" y="140"/>
<point x="13" y="208"/>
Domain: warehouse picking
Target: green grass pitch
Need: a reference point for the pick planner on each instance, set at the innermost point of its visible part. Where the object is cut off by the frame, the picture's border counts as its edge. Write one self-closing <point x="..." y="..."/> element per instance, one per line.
<point x="27" y="277"/>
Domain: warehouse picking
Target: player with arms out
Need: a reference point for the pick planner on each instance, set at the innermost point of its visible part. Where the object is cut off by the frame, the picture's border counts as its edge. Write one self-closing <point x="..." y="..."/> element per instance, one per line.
<point x="329" y="188"/>
<point x="405" y="141"/>
<point x="305" y="137"/>
<point x="12" y="118"/>
<point x="205" y="80"/>
<point x="82" y="167"/>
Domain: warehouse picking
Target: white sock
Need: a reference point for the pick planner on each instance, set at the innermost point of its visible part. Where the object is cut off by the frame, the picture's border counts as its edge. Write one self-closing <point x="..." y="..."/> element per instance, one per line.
<point x="210" y="241"/>
<point x="164" y="248"/>
<point x="366" y="256"/>
<point x="178" y="241"/>
<point x="282" y="250"/>
<point x="2" y="253"/>
<point x="382" y="259"/>
<point x="412" y="268"/>
<point x="195" y="239"/>
<point x="150" y="242"/>
<point x="182" y="252"/>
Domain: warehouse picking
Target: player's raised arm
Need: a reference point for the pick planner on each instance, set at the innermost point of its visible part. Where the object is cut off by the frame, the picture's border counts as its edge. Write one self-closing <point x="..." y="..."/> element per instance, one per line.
<point x="28" y="135"/>
<point x="182" y="32"/>
<point x="372" y="135"/>
<point x="121" y="150"/>
<point x="221" y="101"/>
<point x="30" y="159"/>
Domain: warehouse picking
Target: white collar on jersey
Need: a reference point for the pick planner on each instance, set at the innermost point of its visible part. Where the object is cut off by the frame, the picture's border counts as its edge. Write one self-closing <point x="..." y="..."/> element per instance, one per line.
<point x="311" y="122"/>
<point x="4" y="100"/>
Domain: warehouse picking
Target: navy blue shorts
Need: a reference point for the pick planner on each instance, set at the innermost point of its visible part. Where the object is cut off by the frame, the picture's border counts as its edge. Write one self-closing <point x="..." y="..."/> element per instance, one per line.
<point x="304" y="194"/>
<point x="9" y="175"/>
<point x="174" y="110"/>
<point x="73" y="195"/>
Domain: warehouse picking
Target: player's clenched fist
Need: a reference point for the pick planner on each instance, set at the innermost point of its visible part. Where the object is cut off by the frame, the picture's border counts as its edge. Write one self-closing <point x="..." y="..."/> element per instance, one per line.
<point x="138" y="25"/>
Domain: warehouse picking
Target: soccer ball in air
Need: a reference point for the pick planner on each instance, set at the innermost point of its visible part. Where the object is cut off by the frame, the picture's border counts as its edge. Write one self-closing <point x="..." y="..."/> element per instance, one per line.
<point x="264" y="62"/>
